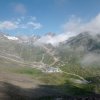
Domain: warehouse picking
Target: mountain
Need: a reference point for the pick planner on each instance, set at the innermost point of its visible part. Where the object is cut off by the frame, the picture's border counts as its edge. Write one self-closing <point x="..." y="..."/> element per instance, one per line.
<point x="23" y="47"/>
<point x="60" y="63"/>
<point x="42" y="51"/>
<point x="86" y="40"/>
<point x="27" y="46"/>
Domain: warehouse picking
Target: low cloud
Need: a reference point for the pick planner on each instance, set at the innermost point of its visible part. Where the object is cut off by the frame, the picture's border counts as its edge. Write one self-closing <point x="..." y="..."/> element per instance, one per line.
<point x="77" y="25"/>
<point x="91" y="59"/>
<point x="54" y="40"/>
<point x="71" y="28"/>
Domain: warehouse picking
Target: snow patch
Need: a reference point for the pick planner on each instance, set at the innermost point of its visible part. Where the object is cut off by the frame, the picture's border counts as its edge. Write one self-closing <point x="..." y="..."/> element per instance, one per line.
<point x="11" y="37"/>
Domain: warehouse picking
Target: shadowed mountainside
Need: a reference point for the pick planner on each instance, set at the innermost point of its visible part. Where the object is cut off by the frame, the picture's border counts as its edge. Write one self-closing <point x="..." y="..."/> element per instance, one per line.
<point x="43" y="92"/>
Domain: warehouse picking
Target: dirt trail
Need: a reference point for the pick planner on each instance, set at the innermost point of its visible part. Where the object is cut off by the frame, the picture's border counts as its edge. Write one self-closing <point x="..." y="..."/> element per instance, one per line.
<point x="78" y="76"/>
<point x="56" y="59"/>
<point x="12" y="59"/>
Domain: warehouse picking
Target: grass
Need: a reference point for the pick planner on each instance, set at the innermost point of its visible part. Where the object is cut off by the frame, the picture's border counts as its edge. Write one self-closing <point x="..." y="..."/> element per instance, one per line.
<point x="61" y="80"/>
<point x="28" y="71"/>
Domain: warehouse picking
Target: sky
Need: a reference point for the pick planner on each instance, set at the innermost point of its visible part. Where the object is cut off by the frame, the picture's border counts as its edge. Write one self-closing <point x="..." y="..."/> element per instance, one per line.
<point x="28" y="17"/>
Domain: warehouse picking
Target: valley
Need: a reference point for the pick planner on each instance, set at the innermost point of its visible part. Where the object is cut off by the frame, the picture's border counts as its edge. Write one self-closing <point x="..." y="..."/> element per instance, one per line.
<point x="46" y="71"/>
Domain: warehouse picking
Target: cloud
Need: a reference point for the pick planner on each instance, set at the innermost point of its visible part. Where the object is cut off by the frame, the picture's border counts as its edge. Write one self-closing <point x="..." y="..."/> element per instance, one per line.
<point x="60" y="2"/>
<point x="90" y="59"/>
<point x="77" y="25"/>
<point x="20" y="8"/>
<point x="34" y="25"/>
<point x="54" y="40"/>
<point x="9" y="25"/>
<point x="28" y="23"/>
<point x="73" y="27"/>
